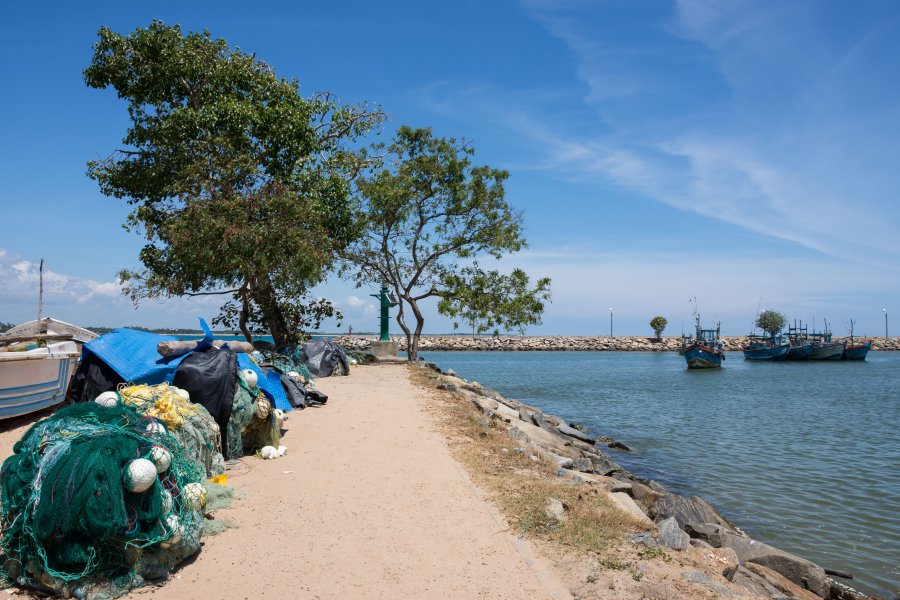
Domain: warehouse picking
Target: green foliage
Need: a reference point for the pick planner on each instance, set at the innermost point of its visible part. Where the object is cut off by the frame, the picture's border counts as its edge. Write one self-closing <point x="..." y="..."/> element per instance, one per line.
<point x="486" y="300"/>
<point x="658" y="325"/>
<point x="771" y="322"/>
<point x="6" y="326"/>
<point x="427" y="207"/>
<point x="240" y="185"/>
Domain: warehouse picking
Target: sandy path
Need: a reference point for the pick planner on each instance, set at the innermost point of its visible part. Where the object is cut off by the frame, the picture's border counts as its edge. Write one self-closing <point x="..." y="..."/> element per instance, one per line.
<point x="368" y="503"/>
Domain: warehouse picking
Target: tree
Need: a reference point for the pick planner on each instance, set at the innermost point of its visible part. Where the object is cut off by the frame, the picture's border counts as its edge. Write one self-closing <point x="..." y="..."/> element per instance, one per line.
<point x="658" y="324"/>
<point x="423" y="210"/>
<point x="241" y="186"/>
<point x="771" y="322"/>
<point x="486" y="300"/>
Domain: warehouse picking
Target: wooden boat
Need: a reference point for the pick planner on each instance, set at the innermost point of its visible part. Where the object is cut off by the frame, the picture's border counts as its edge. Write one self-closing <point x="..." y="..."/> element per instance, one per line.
<point x="705" y="350"/>
<point x="766" y="348"/>
<point x="854" y="350"/>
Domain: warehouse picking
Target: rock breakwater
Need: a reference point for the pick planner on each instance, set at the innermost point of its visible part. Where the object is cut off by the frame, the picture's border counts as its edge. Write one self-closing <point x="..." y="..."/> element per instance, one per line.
<point x="564" y="343"/>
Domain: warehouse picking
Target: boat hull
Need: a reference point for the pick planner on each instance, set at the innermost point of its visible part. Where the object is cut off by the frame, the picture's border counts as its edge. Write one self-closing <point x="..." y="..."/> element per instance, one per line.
<point x="828" y="351"/>
<point x="799" y="352"/>
<point x="856" y="352"/>
<point x="33" y="381"/>
<point x="769" y="353"/>
<point x="701" y="357"/>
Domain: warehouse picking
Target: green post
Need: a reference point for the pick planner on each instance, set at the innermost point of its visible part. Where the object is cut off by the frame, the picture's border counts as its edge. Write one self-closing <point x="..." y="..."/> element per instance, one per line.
<point x="386" y="303"/>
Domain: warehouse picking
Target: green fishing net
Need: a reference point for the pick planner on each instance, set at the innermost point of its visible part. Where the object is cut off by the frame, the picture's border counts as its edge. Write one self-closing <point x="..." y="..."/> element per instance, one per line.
<point x="252" y="424"/>
<point x="70" y="525"/>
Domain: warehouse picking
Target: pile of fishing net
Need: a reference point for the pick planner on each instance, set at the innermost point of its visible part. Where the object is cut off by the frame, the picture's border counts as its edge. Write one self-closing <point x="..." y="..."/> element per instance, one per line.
<point x="286" y="361"/>
<point x="190" y="424"/>
<point x="98" y="499"/>
<point x="254" y="423"/>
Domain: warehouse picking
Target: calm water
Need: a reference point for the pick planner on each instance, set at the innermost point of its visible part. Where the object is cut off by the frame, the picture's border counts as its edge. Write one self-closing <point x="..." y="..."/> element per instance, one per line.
<point x="804" y="456"/>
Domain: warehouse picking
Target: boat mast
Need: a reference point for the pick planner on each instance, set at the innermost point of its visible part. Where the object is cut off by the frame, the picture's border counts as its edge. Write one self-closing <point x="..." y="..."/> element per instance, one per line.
<point x="40" y="297"/>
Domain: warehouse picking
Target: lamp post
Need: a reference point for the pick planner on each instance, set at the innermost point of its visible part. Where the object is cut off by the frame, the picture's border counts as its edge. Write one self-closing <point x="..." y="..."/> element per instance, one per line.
<point x="884" y="310"/>
<point x="610" y="322"/>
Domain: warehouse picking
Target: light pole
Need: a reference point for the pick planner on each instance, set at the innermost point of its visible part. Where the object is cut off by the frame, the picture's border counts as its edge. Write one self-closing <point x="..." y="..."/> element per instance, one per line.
<point x="610" y="322"/>
<point x="884" y="310"/>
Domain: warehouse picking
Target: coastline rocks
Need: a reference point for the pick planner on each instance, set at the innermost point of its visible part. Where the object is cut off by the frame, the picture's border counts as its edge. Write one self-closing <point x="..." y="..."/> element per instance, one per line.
<point x="685" y="509"/>
<point x="671" y="535"/>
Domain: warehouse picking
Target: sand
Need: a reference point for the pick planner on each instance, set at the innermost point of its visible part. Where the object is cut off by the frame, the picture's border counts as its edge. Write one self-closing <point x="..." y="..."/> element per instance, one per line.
<point x="368" y="503"/>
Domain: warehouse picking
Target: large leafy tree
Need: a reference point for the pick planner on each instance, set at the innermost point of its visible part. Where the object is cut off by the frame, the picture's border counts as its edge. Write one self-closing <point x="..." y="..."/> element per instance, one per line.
<point x="658" y="324"/>
<point x="241" y="186"/>
<point x="425" y="210"/>
<point x="771" y="322"/>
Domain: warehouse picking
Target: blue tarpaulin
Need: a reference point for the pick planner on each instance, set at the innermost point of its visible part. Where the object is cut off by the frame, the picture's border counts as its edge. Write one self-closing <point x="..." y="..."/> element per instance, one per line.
<point x="269" y="382"/>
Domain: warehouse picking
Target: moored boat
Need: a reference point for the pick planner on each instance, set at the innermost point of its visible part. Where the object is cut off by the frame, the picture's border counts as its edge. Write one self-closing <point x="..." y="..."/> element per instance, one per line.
<point x="854" y="350"/>
<point x="705" y="349"/>
<point x="766" y="348"/>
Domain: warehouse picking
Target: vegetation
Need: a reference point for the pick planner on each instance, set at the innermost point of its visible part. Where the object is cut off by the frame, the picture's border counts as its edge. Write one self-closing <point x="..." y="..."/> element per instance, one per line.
<point x="486" y="300"/>
<point x="771" y="322"/>
<point x="424" y="210"/>
<point x="658" y="324"/>
<point x="241" y="186"/>
<point x="6" y="326"/>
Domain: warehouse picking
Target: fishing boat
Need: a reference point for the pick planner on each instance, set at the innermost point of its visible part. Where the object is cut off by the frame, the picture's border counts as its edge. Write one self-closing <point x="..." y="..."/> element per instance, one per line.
<point x="824" y="348"/>
<point x="801" y="347"/>
<point x="705" y="349"/>
<point x="855" y="350"/>
<point x="37" y="360"/>
<point x="762" y="347"/>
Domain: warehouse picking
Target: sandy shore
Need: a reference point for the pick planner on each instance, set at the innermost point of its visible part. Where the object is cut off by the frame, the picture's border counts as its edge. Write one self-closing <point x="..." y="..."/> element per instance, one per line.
<point x="368" y="503"/>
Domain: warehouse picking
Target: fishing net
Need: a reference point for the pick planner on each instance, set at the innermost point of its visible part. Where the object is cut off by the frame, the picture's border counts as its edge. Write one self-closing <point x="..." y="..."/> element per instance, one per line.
<point x="191" y="424"/>
<point x="288" y="360"/>
<point x="252" y="424"/>
<point x="96" y="500"/>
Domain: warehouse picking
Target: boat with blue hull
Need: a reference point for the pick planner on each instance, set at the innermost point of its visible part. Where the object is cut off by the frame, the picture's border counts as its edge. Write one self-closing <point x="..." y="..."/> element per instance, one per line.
<point x="855" y="350"/>
<point x="766" y="348"/>
<point x="705" y="349"/>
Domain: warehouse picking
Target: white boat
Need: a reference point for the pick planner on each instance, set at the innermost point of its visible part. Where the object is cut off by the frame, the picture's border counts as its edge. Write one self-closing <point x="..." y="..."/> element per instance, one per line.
<point x="36" y="378"/>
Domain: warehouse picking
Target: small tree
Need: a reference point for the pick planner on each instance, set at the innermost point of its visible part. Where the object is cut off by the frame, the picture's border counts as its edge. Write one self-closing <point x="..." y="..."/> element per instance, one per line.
<point x="658" y="324"/>
<point x="771" y="322"/>
<point x="486" y="300"/>
<point x="426" y="209"/>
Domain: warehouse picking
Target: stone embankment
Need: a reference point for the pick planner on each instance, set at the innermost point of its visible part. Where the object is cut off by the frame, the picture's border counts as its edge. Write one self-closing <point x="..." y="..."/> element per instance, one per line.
<point x="676" y="522"/>
<point x="565" y="343"/>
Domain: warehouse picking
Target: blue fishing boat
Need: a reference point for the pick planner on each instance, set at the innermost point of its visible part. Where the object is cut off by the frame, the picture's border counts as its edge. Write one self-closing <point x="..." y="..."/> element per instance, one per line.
<point x="855" y="350"/>
<point x="801" y="346"/>
<point x="766" y="348"/>
<point x="705" y="349"/>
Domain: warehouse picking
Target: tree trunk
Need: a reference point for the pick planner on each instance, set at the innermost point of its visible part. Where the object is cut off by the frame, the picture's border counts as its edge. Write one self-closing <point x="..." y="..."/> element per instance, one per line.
<point x="265" y="297"/>
<point x="245" y="313"/>
<point x="413" y="352"/>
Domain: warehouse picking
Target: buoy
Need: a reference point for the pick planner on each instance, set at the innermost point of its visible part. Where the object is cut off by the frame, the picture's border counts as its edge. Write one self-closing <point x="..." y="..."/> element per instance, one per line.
<point x="194" y="495"/>
<point x="167" y="503"/>
<point x="155" y="426"/>
<point x="140" y="474"/>
<point x="262" y="408"/>
<point x="173" y="524"/>
<point x="107" y="399"/>
<point x="282" y="450"/>
<point x="161" y="457"/>
<point x="183" y="394"/>
<point x="250" y="378"/>
<point x="268" y="452"/>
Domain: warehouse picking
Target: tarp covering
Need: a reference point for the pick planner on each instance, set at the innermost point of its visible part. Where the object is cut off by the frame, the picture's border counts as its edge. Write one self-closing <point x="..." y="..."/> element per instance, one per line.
<point x="210" y="376"/>
<point x="324" y="358"/>
<point x="133" y="355"/>
<point x="269" y="381"/>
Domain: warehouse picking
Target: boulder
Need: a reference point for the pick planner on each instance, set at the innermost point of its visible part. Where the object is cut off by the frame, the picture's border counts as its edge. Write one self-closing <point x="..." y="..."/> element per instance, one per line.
<point x="624" y="502"/>
<point x="485" y="405"/>
<point x="572" y="432"/>
<point x="603" y="466"/>
<point x="686" y="510"/>
<point x="618" y="446"/>
<point x="671" y="535"/>
<point x="555" y="509"/>
<point x="643" y="495"/>
<point x="520" y="430"/>
<point x="781" y="583"/>
<point x="706" y="581"/>
<point x="539" y="420"/>
<point x="583" y="465"/>
<point x="505" y="413"/>
<point x="448" y="386"/>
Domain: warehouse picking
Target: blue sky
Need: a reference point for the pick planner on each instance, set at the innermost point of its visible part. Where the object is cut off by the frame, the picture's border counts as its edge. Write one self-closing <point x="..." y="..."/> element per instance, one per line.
<point x="745" y="153"/>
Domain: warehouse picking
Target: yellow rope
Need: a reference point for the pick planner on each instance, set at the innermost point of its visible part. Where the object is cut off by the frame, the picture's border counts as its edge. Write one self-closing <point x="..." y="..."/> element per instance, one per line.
<point x="157" y="401"/>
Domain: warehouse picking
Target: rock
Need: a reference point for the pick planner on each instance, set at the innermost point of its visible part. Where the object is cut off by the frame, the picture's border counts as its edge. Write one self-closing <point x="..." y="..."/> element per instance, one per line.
<point x="618" y="446"/>
<point x="756" y="584"/>
<point x="583" y="465"/>
<point x="643" y="495"/>
<point x="539" y="420"/>
<point x="520" y="430"/>
<point x="621" y="486"/>
<point x="572" y="432"/>
<point x="555" y="509"/>
<point x="686" y="510"/>
<point x="451" y="373"/>
<point x="624" y="502"/>
<point x="706" y="581"/>
<point x="577" y="426"/>
<point x="645" y="538"/>
<point x="798" y="570"/>
<point x="448" y="386"/>
<point x="700" y="544"/>
<point x="709" y="533"/>
<point x="781" y="583"/>
<point x="485" y="405"/>
<point x="656" y="487"/>
<point x="671" y="535"/>
<point x="603" y="439"/>
<point x="525" y="414"/>
<point x="505" y="413"/>
<point x="603" y="466"/>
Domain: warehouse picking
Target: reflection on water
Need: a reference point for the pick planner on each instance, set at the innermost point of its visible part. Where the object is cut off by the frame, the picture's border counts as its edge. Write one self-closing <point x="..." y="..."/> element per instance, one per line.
<point x="803" y="456"/>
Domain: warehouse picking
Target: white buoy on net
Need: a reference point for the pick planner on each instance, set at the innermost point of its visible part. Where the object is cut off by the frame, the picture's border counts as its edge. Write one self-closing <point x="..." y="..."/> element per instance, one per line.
<point x="162" y="458"/>
<point x="183" y="394"/>
<point x="194" y="495"/>
<point x="107" y="399"/>
<point x="140" y="474"/>
<point x="155" y="426"/>
<point x="167" y="503"/>
<point x="173" y="524"/>
<point x="250" y="378"/>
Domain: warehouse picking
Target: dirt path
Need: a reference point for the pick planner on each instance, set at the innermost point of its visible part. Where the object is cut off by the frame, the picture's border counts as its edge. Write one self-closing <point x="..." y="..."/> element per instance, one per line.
<point x="368" y="503"/>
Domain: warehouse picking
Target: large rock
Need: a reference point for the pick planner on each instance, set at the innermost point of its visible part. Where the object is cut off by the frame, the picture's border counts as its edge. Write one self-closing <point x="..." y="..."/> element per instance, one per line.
<point x="624" y="502"/>
<point x="603" y="466"/>
<point x="671" y="535"/>
<point x="781" y="583"/>
<point x="572" y="432"/>
<point x="686" y="510"/>
<point x="520" y="430"/>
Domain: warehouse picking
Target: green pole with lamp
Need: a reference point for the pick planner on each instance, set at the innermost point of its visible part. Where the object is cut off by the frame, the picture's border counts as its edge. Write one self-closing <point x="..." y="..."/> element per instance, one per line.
<point x="387" y="301"/>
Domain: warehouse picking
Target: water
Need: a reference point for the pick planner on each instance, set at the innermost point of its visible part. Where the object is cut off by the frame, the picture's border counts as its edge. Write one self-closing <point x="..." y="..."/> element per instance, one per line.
<point x="803" y="456"/>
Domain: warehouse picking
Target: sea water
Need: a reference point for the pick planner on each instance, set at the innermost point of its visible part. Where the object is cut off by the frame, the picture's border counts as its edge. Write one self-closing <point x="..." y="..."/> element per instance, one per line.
<point x="802" y="456"/>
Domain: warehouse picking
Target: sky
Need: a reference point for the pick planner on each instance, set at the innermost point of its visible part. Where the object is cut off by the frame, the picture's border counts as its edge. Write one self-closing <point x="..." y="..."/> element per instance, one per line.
<point x="741" y="153"/>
